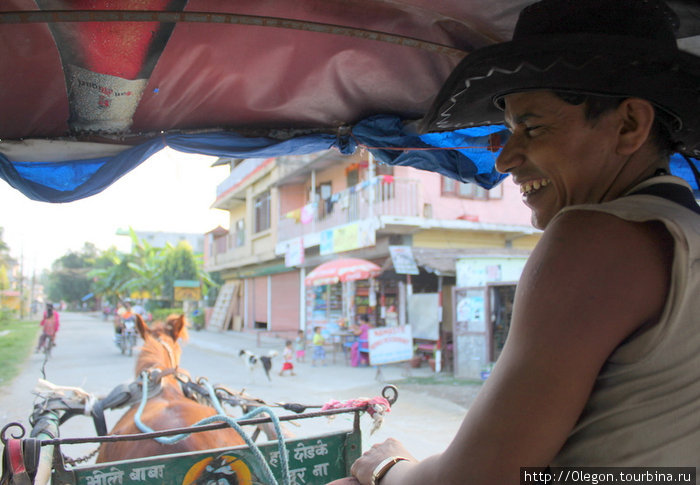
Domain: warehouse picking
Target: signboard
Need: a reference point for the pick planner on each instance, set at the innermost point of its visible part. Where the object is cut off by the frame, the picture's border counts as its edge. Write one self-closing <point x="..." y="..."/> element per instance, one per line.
<point x="347" y="237"/>
<point x="402" y="259"/>
<point x="423" y="315"/>
<point x="470" y="309"/>
<point x="294" y="255"/>
<point x="475" y="272"/>
<point x="390" y="344"/>
<point x="312" y="461"/>
<point x="187" y="290"/>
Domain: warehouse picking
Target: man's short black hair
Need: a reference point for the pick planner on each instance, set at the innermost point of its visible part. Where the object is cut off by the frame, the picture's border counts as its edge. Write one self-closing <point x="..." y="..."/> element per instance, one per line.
<point x="595" y="106"/>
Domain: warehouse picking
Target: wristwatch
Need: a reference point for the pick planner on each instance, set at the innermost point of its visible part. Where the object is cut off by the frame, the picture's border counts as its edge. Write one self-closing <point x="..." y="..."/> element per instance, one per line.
<point x="384" y="467"/>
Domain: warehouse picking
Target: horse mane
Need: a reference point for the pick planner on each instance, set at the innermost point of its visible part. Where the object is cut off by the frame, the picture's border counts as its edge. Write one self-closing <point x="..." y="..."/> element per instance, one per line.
<point x="153" y="352"/>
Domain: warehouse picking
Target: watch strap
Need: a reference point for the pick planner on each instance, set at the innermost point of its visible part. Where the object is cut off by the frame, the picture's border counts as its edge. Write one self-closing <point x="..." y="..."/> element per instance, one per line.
<point x="383" y="468"/>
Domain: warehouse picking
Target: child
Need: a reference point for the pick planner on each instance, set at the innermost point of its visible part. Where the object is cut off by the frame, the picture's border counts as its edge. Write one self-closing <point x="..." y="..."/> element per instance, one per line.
<point x="300" y="346"/>
<point x="287" y="354"/>
<point x="319" y="351"/>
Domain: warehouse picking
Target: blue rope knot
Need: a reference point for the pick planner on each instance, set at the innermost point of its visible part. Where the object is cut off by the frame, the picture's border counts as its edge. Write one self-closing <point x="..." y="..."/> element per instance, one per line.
<point x="222" y="417"/>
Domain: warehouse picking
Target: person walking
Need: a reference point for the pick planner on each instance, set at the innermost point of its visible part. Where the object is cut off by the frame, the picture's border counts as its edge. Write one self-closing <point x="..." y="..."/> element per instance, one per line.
<point x="359" y="351"/>
<point x="287" y="355"/>
<point x="300" y="346"/>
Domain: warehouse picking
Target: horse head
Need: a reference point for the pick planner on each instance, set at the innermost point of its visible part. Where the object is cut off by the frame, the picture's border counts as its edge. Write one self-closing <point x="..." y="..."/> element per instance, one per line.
<point x="169" y="407"/>
<point x="161" y="348"/>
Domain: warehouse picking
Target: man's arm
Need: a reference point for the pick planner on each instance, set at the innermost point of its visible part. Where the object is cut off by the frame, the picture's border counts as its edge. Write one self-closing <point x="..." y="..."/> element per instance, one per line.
<point x="592" y="280"/>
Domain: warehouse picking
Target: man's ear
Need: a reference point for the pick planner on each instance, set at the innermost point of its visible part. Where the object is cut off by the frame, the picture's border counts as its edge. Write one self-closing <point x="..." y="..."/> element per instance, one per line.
<point x="637" y="117"/>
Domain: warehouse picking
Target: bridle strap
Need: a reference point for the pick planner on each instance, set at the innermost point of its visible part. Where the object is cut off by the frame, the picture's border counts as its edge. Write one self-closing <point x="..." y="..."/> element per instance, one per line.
<point x="171" y="354"/>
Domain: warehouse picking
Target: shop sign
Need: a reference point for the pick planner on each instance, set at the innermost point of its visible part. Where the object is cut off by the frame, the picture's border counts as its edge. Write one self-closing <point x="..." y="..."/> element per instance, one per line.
<point x="187" y="290"/>
<point x="474" y="272"/>
<point x="294" y="255"/>
<point x="390" y="344"/>
<point x="470" y="310"/>
<point x="348" y="237"/>
<point x="402" y="259"/>
<point x="345" y="238"/>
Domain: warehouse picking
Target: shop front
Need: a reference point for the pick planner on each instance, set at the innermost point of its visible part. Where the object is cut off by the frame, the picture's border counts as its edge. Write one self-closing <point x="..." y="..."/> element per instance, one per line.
<point x="482" y="307"/>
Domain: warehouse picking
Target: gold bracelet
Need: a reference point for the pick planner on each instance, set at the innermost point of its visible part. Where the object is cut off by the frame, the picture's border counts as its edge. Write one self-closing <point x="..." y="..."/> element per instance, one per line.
<point x="384" y="467"/>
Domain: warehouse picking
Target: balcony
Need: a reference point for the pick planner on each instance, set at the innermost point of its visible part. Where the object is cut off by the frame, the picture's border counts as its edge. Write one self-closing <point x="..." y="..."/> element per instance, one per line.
<point x="386" y="195"/>
<point x="227" y="189"/>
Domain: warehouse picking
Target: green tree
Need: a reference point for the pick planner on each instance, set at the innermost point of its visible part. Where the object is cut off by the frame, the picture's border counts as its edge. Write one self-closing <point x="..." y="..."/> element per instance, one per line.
<point x="69" y="279"/>
<point x="180" y="264"/>
<point x="5" y="262"/>
<point x="112" y="275"/>
<point x="147" y="262"/>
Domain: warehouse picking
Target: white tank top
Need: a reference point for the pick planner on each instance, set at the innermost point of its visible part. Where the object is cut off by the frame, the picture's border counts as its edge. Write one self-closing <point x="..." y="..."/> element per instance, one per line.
<point x="644" y="409"/>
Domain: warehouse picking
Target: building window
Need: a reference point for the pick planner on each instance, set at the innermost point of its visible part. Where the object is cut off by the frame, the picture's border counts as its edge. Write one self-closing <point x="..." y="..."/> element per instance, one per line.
<point x="262" y="212"/>
<point x="239" y="233"/>
<point x="453" y="188"/>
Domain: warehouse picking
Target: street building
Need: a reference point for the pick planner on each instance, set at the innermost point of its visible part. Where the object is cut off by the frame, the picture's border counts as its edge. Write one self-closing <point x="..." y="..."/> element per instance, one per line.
<point x="448" y="254"/>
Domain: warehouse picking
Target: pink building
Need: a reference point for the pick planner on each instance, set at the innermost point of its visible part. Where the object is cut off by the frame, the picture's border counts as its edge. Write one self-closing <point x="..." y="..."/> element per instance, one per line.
<point x="289" y="215"/>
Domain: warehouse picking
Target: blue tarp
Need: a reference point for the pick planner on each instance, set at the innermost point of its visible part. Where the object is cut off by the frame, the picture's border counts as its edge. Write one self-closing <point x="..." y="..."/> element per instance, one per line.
<point x="465" y="155"/>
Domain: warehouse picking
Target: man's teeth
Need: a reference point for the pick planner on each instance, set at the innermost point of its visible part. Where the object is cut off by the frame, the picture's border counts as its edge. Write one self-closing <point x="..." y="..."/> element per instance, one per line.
<point x="533" y="185"/>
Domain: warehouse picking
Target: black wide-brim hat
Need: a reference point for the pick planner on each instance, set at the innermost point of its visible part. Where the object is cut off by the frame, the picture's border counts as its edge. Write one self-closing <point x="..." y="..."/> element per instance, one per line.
<point x="621" y="48"/>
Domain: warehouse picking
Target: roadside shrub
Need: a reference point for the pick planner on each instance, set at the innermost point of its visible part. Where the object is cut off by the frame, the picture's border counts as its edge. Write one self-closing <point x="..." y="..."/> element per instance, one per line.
<point x="163" y="313"/>
<point x="6" y="314"/>
<point x="17" y="338"/>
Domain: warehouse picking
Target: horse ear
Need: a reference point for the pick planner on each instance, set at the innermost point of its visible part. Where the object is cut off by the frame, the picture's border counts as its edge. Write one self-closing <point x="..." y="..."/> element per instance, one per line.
<point x="176" y="327"/>
<point x="141" y="326"/>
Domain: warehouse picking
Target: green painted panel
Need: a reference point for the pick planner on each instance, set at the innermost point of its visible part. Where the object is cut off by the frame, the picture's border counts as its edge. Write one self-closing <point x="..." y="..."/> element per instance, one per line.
<point x="316" y="460"/>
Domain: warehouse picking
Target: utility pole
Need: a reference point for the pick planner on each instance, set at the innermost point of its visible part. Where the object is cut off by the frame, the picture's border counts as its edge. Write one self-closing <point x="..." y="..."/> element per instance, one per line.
<point x="21" y="285"/>
<point x="32" y="296"/>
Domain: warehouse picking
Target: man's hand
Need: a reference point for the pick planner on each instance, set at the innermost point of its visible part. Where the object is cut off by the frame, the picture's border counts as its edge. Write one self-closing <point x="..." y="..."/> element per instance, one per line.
<point x="364" y="466"/>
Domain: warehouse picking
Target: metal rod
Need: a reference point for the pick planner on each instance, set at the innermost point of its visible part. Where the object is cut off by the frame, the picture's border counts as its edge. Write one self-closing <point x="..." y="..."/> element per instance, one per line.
<point x="194" y="429"/>
<point x="61" y="16"/>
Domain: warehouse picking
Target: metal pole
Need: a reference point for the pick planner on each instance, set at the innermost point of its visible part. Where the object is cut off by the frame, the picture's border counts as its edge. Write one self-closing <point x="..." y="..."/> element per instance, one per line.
<point x="21" y="285"/>
<point x="313" y="201"/>
<point x="302" y="299"/>
<point x="371" y="174"/>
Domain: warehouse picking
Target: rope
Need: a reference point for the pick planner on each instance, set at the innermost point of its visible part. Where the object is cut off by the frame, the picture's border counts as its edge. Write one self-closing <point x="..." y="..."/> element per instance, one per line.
<point x="214" y="398"/>
<point x="376" y="407"/>
<point x="222" y="417"/>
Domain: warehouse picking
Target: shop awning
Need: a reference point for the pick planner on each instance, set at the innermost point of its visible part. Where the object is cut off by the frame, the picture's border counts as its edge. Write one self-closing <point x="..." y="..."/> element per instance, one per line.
<point x="442" y="262"/>
<point x="341" y="270"/>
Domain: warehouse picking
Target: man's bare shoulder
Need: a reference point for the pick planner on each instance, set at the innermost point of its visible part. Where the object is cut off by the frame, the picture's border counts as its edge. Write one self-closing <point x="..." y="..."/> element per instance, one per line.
<point x="597" y="272"/>
<point x="594" y="234"/>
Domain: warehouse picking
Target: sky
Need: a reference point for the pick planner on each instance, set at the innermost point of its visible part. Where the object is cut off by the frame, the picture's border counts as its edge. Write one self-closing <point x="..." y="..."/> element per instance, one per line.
<point x="171" y="192"/>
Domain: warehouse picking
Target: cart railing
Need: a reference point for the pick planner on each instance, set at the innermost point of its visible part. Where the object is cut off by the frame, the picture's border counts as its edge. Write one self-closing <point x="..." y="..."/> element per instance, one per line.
<point x="310" y="460"/>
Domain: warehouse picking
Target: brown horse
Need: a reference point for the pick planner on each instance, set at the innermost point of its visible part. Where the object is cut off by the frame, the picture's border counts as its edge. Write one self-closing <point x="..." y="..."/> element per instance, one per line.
<point x="170" y="408"/>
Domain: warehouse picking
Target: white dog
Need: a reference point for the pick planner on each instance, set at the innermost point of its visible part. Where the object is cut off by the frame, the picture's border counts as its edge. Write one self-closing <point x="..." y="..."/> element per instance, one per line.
<point x="252" y="361"/>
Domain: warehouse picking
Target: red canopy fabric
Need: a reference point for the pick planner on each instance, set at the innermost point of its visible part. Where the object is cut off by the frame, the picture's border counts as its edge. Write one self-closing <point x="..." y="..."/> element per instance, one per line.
<point x="338" y="270"/>
<point x="217" y="64"/>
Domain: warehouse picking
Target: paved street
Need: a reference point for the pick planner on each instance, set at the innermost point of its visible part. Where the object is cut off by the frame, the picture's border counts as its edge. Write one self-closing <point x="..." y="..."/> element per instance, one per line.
<point x="86" y="357"/>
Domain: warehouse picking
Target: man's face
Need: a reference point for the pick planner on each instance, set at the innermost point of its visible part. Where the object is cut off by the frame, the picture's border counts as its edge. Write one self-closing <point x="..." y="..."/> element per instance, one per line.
<point x="555" y="155"/>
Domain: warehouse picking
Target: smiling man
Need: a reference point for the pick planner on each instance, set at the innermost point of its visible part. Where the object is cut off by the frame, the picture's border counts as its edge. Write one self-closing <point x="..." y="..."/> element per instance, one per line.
<point x="602" y="363"/>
